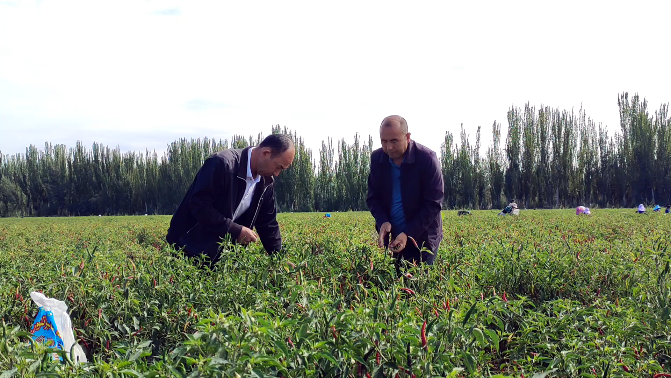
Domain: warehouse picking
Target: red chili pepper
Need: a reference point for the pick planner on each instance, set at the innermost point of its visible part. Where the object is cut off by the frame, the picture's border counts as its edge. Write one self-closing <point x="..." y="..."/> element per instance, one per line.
<point x="84" y="342"/>
<point x="409" y="291"/>
<point x="505" y="298"/>
<point x="482" y="296"/>
<point x="447" y="304"/>
<point x="333" y="331"/>
<point x="659" y="375"/>
<point x="424" y="343"/>
<point x="436" y="313"/>
<point x="290" y="342"/>
<point x="413" y="241"/>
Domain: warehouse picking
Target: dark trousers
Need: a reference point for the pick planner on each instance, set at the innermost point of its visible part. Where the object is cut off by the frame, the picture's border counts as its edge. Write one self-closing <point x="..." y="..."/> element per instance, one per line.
<point x="413" y="255"/>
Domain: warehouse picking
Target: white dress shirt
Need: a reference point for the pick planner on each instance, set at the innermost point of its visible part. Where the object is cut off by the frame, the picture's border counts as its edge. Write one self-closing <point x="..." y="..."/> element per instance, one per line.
<point x="249" y="191"/>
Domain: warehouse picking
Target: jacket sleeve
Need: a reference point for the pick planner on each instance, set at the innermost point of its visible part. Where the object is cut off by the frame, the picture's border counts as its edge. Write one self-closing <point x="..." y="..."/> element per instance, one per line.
<point x="212" y="183"/>
<point x="266" y="224"/>
<point x="432" y="198"/>
<point x="374" y="199"/>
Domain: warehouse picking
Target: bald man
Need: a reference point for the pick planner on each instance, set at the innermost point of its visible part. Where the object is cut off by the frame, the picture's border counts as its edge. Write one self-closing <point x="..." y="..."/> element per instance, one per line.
<point x="405" y="194"/>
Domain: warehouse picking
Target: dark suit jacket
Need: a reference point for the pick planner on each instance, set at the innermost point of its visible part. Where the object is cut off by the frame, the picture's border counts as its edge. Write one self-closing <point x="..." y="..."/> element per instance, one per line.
<point x="214" y="196"/>
<point x="421" y="192"/>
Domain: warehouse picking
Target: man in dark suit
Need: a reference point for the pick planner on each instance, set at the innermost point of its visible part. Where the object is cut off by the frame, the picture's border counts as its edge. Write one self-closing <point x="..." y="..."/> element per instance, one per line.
<point x="405" y="194"/>
<point x="232" y="194"/>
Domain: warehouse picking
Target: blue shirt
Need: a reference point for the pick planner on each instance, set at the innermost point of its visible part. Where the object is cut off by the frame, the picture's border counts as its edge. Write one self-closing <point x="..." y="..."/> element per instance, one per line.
<point x="397" y="218"/>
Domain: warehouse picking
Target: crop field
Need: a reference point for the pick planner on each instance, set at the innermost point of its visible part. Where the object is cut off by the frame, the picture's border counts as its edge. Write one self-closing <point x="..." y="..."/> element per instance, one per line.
<point x="543" y="294"/>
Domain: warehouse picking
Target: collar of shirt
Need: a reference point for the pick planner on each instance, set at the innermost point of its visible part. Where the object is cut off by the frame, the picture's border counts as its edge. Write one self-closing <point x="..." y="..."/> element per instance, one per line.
<point x="249" y="168"/>
<point x="394" y="164"/>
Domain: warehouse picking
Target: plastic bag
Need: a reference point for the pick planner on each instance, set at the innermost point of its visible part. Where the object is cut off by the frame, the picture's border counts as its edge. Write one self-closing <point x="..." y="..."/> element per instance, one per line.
<point x="53" y="328"/>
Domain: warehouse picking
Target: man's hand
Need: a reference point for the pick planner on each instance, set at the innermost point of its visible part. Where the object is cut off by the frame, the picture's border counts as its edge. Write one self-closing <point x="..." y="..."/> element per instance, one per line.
<point x="247" y="236"/>
<point x="399" y="243"/>
<point x="385" y="229"/>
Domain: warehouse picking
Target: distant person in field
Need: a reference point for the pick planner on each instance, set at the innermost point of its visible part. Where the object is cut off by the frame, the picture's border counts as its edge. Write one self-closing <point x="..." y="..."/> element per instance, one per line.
<point x="405" y="194"/>
<point x="232" y="194"/>
<point x="511" y="209"/>
<point x="668" y="209"/>
<point x="641" y="209"/>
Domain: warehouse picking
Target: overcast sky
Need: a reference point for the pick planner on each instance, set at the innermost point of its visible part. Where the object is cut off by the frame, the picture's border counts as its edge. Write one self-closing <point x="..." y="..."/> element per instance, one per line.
<point x="141" y="74"/>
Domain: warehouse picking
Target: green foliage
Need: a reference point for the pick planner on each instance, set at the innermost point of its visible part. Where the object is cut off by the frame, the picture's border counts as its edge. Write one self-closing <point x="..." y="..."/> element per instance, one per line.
<point x="543" y="293"/>
<point x="552" y="158"/>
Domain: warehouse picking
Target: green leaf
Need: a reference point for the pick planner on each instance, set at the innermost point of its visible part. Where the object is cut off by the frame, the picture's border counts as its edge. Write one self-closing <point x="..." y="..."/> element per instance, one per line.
<point x="494" y="337"/>
<point x="145" y="344"/>
<point x="131" y="372"/>
<point x="9" y="373"/>
<point x="303" y="332"/>
<point x="280" y="345"/>
<point x="477" y="332"/>
<point x="469" y="361"/>
<point x="377" y="308"/>
<point x="136" y="355"/>
<point x="469" y="313"/>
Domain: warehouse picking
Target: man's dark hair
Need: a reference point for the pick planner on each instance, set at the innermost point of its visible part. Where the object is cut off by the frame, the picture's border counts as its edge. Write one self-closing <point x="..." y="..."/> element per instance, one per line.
<point x="278" y="143"/>
<point x="386" y="122"/>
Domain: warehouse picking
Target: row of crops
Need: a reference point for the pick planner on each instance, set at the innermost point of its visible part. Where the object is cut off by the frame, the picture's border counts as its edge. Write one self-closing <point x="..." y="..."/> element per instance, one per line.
<point x="543" y="293"/>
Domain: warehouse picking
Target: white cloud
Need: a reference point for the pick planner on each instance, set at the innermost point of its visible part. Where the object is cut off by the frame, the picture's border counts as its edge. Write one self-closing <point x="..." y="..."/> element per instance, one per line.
<point x="145" y="73"/>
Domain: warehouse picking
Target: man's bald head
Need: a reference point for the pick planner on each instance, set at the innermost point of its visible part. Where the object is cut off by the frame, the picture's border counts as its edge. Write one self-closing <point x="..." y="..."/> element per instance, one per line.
<point x="395" y="121"/>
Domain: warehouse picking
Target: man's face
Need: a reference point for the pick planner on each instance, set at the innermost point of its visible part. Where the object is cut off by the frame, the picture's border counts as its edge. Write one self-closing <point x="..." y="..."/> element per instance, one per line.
<point x="394" y="141"/>
<point x="272" y="166"/>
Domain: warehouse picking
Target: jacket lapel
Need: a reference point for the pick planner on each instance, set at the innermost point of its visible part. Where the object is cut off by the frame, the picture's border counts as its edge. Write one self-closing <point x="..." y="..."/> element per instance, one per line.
<point x="240" y="181"/>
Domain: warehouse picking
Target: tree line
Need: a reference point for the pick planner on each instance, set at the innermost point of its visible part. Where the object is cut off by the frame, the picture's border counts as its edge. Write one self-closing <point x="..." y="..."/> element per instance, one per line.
<point x="551" y="158"/>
